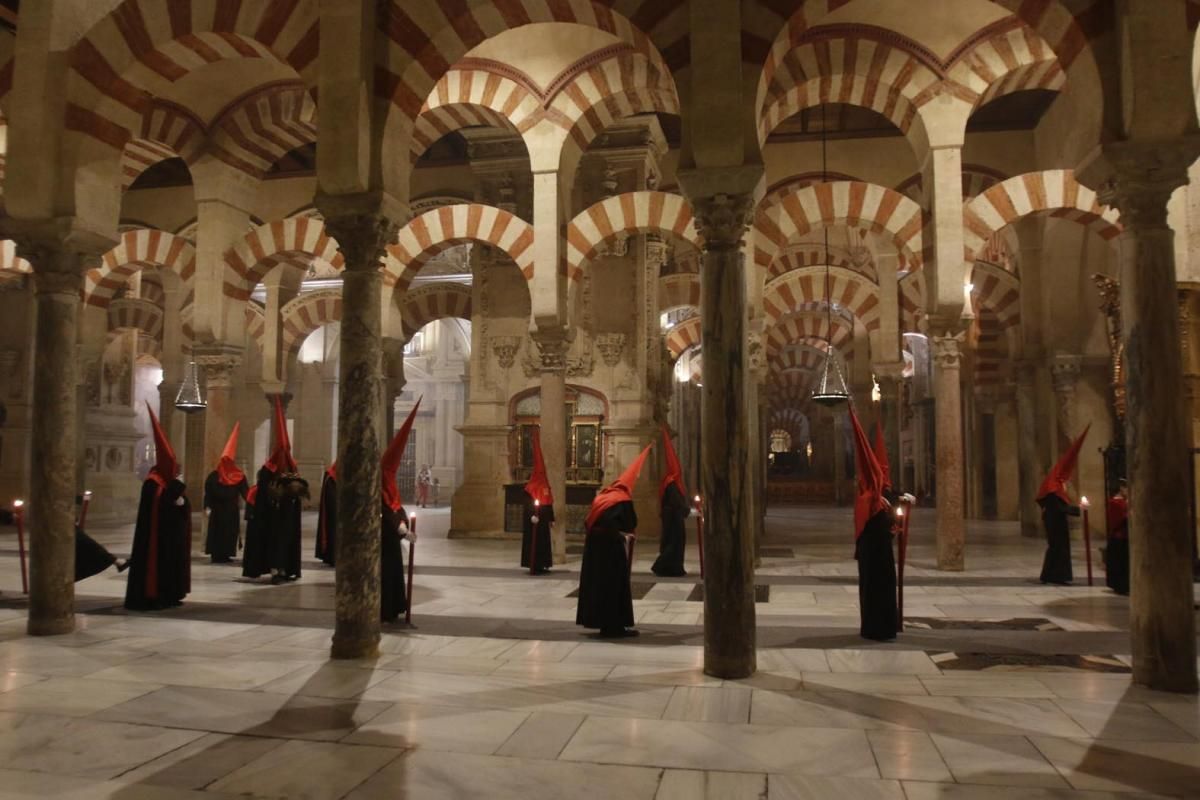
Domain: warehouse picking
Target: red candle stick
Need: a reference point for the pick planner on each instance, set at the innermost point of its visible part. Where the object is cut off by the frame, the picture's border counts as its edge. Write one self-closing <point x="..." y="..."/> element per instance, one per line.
<point x="533" y="537"/>
<point x="87" y="500"/>
<point x="412" y="526"/>
<point x="1087" y="537"/>
<point x="19" y="514"/>
<point x="700" y="533"/>
<point x="901" y="525"/>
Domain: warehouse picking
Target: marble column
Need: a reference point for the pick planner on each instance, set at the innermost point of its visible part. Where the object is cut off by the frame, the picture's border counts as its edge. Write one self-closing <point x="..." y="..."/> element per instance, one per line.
<point x="951" y="528"/>
<point x="1139" y="182"/>
<point x="552" y="346"/>
<point x="218" y="364"/>
<point x="1064" y="375"/>
<point x="839" y="457"/>
<point x="1029" y="463"/>
<point x="729" y="614"/>
<point x="361" y="238"/>
<point x="51" y="515"/>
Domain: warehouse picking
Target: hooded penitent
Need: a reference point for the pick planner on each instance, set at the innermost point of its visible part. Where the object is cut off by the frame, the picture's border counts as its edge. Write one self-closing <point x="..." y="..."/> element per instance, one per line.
<point x="538" y="486"/>
<point x="674" y="472"/>
<point x="332" y="471"/>
<point x="1056" y="481"/>
<point x="281" y="459"/>
<point x="881" y="456"/>
<point x="165" y="466"/>
<point x="869" y="501"/>
<point x="619" y="491"/>
<point x="389" y="465"/>
<point x="228" y="472"/>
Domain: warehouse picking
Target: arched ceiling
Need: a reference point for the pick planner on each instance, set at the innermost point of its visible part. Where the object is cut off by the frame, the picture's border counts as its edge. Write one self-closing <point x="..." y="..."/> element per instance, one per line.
<point x="938" y="25"/>
<point x="543" y="50"/>
<point x="208" y="90"/>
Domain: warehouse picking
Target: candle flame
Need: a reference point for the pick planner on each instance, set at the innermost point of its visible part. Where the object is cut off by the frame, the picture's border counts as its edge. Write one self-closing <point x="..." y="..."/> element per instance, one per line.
<point x="18" y="503"/>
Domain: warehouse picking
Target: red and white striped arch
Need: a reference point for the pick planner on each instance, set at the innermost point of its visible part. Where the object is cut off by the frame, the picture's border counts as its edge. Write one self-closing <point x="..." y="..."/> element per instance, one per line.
<point x="799" y="289"/>
<point x="805" y="327"/>
<point x="430" y="303"/>
<point x="257" y="130"/>
<point x="256" y="323"/>
<point x="143" y="47"/>
<point x="474" y="94"/>
<point x="811" y="254"/>
<point x="805" y="356"/>
<point x="424" y="43"/>
<point x="442" y="228"/>
<point x="992" y="349"/>
<point x="1052" y="192"/>
<point x="681" y="290"/>
<point x="143" y="248"/>
<point x="976" y="180"/>
<point x="855" y="203"/>
<point x="631" y="212"/>
<point x="1012" y="59"/>
<point x="683" y="336"/>
<point x="295" y="242"/>
<point x="997" y="291"/>
<point x="141" y="315"/>
<point x="304" y="314"/>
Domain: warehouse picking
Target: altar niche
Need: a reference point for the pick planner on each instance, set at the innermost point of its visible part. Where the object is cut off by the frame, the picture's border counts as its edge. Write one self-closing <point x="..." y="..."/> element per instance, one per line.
<point x="585" y="413"/>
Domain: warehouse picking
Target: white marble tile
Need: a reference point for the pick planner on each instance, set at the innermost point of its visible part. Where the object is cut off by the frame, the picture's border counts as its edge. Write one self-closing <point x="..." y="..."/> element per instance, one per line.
<point x="709" y="704"/>
<point x="908" y="755"/>
<point x="329" y="679"/>
<point x="449" y="728"/>
<point x="215" y="673"/>
<point x="10" y="680"/>
<point x="72" y="697"/>
<point x="808" y="787"/>
<point x="202" y="761"/>
<point x="307" y="770"/>
<point x="894" y="662"/>
<point x="23" y="785"/>
<point x="865" y="683"/>
<point x="26" y="655"/>
<point x="678" y="784"/>
<point x="541" y="735"/>
<point x="1112" y="765"/>
<point x="985" y="685"/>
<point x="662" y="675"/>
<point x="535" y="650"/>
<point x="1003" y="760"/>
<point x="1124" y="720"/>
<point x="917" y="790"/>
<point x="433" y="775"/>
<point x="84" y="747"/>
<point x="735" y="748"/>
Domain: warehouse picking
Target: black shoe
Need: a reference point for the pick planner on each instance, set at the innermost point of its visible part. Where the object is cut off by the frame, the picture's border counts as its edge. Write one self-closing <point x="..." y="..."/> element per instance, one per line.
<point x="276" y="580"/>
<point x="122" y="565"/>
<point x="617" y="633"/>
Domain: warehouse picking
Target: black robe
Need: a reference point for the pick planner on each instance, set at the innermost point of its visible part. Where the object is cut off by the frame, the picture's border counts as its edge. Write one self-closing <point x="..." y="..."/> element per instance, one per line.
<point x="605" y="596"/>
<point x="393" y="583"/>
<point x="669" y="563"/>
<point x="876" y="579"/>
<point x="1116" y="558"/>
<point x="160" y="565"/>
<point x="255" y="557"/>
<point x="224" y="523"/>
<point x="544" y="550"/>
<point x="326" y="549"/>
<point x="1056" y="567"/>
<point x="91" y="557"/>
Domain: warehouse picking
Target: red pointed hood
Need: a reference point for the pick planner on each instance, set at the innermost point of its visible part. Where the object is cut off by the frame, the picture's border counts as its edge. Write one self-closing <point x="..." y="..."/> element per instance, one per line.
<point x="538" y="487"/>
<point x="618" y="491"/>
<point x="281" y="457"/>
<point x="881" y="456"/>
<point x="331" y="471"/>
<point x="869" y="500"/>
<point x="228" y="472"/>
<point x="389" y="465"/>
<point x="674" y="473"/>
<point x="1056" y="481"/>
<point x="166" y="467"/>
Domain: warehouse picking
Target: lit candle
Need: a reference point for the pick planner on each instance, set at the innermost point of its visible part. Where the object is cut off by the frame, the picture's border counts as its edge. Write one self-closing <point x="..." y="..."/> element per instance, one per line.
<point x="899" y="511"/>
<point x="87" y="493"/>
<point x="697" y="499"/>
<point x="1083" y="501"/>
<point x="537" y="503"/>
<point x="18" y="503"/>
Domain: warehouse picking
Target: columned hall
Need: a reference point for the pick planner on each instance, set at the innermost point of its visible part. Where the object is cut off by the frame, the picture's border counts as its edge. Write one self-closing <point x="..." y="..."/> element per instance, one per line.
<point x="588" y="398"/>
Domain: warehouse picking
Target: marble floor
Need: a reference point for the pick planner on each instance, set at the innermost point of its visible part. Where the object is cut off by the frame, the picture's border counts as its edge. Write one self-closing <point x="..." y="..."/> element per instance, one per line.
<point x="1000" y="687"/>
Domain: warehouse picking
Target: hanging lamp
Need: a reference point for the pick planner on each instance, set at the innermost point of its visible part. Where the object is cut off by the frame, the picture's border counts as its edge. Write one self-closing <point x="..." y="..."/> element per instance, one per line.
<point x="189" y="400"/>
<point x="831" y="390"/>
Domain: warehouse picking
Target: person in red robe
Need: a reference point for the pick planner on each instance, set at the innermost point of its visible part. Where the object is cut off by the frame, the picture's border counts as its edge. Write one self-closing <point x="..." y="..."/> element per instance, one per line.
<point x="160" y="561"/>
<point x="1057" y="505"/>
<point x="674" y="509"/>
<point x="393" y="528"/>
<point x="1116" y="552"/>
<point x="605" y="594"/>
<point x="539" y="514"/>
<point x="224" y="488"/>
<point x="873" y="542"/>
<point x="273" y="536"/>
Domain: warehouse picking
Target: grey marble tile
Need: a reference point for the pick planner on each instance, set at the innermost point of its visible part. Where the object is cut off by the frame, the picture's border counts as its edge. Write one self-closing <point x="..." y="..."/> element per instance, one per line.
<point x="541" y="735"/>
<point x="251" y="713"/>
<point x="432" y="775"/>
<point x="1124" y="720"/>
<point x="10" y="680"/>
<point x="72" y="697"/>
<point x="1002" y="760"/>
<point x="449" y="728"/>
<point x="908" y="755"/>
<point x="1114" y="765"/>
<point x="808" y="787"/>
<point x="202" y="761"/>
<point x="709" y="704"/>
<point x="678" y="784"/>
<point x="216" y="673"/>
<point x="307" y="770"/>
<point x="734" y="748"/>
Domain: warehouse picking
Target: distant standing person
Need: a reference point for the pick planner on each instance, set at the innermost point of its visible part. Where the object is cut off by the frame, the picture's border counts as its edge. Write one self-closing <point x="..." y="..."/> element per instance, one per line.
<point x="223" y="488"/>
<point x="1116" y="554"/>
<point x="424" y="481"/>
<point x="1056" y="507"/>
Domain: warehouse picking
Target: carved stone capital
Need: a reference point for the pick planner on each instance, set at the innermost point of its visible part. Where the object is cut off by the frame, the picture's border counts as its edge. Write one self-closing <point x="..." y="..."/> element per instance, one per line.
<point x="611" y="346"/>
<point x="1137" y="178"/>
<point x="505" y="348"/>
<point x="723" y="219"/>
<point x="1064" y="372"/>
<point x="362" y="238"/>
<point x="552" y="349"/>
<point x="64" y="283"/>
<point x="945" y="351"/>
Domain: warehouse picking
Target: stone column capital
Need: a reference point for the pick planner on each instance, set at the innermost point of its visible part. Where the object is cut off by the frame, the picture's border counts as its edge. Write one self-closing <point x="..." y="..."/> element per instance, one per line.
<point x="362" y="238"/>
<point x="552" y="348"/>
<point x="218" y="362"/>
<point x="946" y="351"/>
<point x="1138" y="177"/>
<point x="723" y="219"/>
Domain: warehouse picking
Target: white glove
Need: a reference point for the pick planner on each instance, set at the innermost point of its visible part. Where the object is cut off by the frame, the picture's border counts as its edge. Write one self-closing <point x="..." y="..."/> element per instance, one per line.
<point x="208" y="512"/>
<point x="908" y="498"/>
<point x="411" y="536"/>
<point x="534" y="520"/>
<point x="179" y="501"/>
